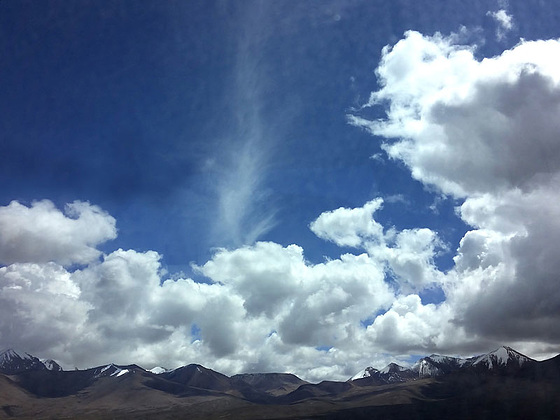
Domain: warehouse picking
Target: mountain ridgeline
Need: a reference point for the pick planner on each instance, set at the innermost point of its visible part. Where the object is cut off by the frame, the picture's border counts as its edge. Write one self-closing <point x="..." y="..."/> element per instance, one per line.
<point x="501" y="384"/>
<point x="504" y="360"/>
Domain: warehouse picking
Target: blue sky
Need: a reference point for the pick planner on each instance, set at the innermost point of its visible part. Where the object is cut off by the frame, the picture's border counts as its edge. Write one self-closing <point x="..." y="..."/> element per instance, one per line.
<point x="142" y="108"/>
<point x="195" y="179"/>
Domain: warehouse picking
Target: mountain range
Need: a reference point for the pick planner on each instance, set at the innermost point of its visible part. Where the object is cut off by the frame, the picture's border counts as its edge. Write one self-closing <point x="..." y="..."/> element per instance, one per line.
<point x="501" y="384"/>
<point x="503" y="360"/>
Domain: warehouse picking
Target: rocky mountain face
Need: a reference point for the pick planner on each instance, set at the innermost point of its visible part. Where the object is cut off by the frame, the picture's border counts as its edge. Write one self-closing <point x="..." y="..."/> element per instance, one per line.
<point x="500" y="384"/>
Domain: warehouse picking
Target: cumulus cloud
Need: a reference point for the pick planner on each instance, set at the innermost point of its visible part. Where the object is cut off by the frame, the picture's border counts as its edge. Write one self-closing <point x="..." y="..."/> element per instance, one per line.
<point x="307" y="304"/>
<point x="42" y="233"/>
<point x="468" y="126"/>
<point x="408" y="325"/>
<point x="40" y="307"/>
<point x="338" y="295"/>
<point x="407" y="256"/>
<point x="263" y="306"/>
<point x="515" y="246"/>
<point x="411" y="259"/>
<point x="350" y="227"/>
<point x="485" y="132"/>
<point x="265" y="275"/>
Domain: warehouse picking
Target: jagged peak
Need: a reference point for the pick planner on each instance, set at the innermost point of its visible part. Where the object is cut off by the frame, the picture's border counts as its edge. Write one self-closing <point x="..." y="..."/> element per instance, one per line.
<point x="502" y="356"/>
<point x="15" y="361"/>
<point x="51" y="364"/>
<point x="514" y="352"/>
<point x="366" y="373"/>
<point x="393" y="367"/>
<point x="10" y="353"/>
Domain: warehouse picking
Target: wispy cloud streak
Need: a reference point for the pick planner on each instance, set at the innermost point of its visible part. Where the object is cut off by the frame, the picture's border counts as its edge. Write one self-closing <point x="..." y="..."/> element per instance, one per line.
<point x="243" y="204"/>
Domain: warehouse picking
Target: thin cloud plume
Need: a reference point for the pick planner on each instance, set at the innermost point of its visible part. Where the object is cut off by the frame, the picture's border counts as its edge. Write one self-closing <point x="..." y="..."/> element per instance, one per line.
<point x="245" y="206"/>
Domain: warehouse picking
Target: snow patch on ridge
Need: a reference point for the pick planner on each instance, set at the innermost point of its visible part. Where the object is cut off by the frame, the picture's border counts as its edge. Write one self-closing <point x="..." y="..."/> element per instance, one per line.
<point x="106" y="368"/>
<point x="112" y="370"/>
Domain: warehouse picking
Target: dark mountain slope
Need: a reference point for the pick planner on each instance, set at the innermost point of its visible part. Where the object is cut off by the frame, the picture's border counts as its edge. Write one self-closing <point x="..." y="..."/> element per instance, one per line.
<point x="54" y="384"/>
<point x="196" y="380"/>
<point x="547" y="370"/>
<point x="275" y="384"/>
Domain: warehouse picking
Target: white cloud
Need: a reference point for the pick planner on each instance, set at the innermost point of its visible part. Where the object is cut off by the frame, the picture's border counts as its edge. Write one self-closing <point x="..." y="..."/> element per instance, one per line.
<point x="411" y="260"/>
<point x="487" y="132"/>
<point x="244" y="210"/>
<point x="42" y="233"/>
<point x="265" y="275"/>
<point x="40" y="308"/>
<point x="461" y="124"/>
<point x="409" y="326"/>
<point x="511" y="260"/>
<point x="378" y="157"/>
<point x="350" y="227"/>
<point x="337" y="295"/>
<point x="504" y="22"/>
<point x="407" y="255"/>
<point x="266" y="308"/>
<point x="306" y="304"/>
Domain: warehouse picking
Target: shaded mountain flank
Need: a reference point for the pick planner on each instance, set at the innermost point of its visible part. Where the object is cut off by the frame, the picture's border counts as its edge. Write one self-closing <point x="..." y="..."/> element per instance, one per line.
<point x="503" y="384"/>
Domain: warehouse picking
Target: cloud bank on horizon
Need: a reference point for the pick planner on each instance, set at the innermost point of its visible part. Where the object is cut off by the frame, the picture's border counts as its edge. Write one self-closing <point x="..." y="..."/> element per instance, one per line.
<point x="484" y="132"/>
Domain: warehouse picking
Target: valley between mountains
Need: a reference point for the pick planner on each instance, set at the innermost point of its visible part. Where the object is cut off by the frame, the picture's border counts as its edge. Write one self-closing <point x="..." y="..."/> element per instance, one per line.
<point x="502" y="384"/>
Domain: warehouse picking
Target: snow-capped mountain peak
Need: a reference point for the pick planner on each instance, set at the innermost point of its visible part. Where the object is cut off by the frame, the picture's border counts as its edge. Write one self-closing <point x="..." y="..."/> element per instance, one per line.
<point x="51" y="364"/>
<point x="10" y="354"/>
<point x="436" y="365"/>
<point x="445" y="359"/>
<point x="426" y="368"/>
<point x="12" y="361"/>
<point x="158" y="370"/>
<point x="113" y="370"/>
<point x="389" y="374"/>
<point x="501" y="357"/>
<point x="392" y="368"/>
<point x="366" y="373"/>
